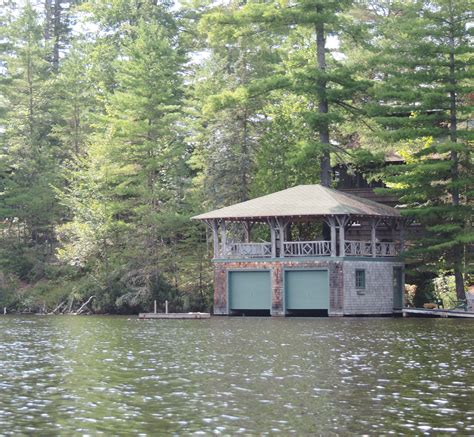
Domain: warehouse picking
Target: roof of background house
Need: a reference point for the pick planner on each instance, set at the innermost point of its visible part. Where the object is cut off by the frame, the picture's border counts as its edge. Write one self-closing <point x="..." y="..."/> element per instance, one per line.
<point x="301" y="201"/>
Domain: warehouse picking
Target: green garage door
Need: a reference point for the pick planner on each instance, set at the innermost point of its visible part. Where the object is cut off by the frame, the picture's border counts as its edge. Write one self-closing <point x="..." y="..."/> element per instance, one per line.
<point x="250" y="291"/>
<point x="307" y="290"/>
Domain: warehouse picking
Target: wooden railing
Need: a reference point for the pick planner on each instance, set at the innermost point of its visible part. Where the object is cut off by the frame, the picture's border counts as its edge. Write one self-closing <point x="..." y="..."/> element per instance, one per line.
<point x="358" y="248"/>
<point x="248" y="250"/>
<point x="386" y="249"/>
<point x="364" y="248"/>
<point x="307" y="248"/>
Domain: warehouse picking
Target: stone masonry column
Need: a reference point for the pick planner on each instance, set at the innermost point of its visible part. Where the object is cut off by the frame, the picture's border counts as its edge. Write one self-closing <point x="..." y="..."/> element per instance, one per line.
<point x="220" y="290"/>
<point x="277" y="291"/>
<point x="336" y="289"/>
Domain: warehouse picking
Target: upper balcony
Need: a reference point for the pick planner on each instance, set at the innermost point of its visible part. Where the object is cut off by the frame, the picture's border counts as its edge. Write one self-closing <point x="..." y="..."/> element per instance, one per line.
<point x="278" y="226"/>
<point x="298" y="249"/>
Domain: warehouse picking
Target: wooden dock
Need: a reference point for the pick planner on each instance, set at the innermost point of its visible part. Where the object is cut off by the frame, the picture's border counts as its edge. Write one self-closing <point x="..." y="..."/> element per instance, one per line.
<point x="422" y="312"/>
<point x="175" y="316"/>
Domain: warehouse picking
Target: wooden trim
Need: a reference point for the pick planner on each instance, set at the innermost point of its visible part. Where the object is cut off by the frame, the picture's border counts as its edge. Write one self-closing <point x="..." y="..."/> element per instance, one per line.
<point x="342" y="222"/>
<point x="248" y="229"/>
<point x="223" y="239"/>
<point x="271" y="223"/>
<point x="281" y="223"/>
<point x="214" y="225"/>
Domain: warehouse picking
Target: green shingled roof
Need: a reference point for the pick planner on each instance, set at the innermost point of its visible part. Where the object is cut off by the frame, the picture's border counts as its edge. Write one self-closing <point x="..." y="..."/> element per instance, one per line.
<point x="301" y="201"/>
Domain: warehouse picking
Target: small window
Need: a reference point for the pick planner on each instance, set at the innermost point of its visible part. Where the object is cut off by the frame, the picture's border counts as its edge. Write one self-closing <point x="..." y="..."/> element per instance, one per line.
<point x="360" y="279"/>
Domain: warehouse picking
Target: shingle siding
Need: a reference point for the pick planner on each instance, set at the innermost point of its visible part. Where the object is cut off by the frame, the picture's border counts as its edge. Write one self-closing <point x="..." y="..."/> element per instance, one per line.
<point x="377" y="296"/>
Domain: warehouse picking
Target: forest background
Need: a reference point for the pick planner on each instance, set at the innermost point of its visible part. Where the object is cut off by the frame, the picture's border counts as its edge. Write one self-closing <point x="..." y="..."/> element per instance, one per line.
<point x="121" y="119"/>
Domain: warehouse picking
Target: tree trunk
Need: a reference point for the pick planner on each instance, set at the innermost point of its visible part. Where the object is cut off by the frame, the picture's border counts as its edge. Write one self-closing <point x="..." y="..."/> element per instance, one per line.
<point x="323" y="105"/>
<point x="244" y="141"/>
<point x="47" y="21"/>
<point x="57" y="33"/>
<point x="458" y="248"/>
<point x="79" y="311"/>
<point x="245" y="160"/>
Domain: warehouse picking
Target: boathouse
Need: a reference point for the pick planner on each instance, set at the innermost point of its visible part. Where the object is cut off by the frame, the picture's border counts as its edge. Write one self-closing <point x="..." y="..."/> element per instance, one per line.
<point x="307" y="250"/>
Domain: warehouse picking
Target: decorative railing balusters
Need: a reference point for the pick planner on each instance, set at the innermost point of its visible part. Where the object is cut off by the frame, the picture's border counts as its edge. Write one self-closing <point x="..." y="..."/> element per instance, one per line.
<point x="365" y="248"/>
<point x="387" y="249"/>
<point x="307" y="248"/>
<point x="248" y="250"/>
<point x="358" y="248"/>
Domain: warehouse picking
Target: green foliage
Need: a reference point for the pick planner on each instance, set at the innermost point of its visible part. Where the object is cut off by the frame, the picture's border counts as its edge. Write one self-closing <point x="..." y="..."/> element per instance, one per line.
<point x="286" y="157"/>
<point x="445" y="290"/>
<point x="421" y="97"/>
<point x="425" y="186"/>
<point x="127" y="193"/>
<point x="121" y="120"/>
<point x="270" y="57"/>
<point x="28" y="157"/>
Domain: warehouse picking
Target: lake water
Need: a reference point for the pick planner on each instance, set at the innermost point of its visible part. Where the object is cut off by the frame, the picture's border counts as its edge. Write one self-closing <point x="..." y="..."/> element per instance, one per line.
<point x="118" y="375"/>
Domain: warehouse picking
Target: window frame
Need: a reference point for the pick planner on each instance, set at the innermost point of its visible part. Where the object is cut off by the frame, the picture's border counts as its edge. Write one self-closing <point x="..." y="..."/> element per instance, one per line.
<point x="360" y="285"/>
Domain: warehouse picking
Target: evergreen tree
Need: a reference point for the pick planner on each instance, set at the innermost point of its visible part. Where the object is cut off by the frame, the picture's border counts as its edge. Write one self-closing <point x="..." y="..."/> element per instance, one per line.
<point x="74" y="102"/>
<point x="230" y="118"/>
<point x="307" y="70"/>
<point x="27" y="200"/>
<point x="138" y="156"/>
<point x="421" y="95"/>
<point x="111" y="137"/>
<point x="285" y="157"/>
<point x="57" y="28"/>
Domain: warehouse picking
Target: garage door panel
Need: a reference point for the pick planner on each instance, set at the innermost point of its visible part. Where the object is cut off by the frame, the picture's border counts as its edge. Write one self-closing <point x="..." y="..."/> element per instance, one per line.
<point x="250" y="290"/>
<point x="307" y="289"/>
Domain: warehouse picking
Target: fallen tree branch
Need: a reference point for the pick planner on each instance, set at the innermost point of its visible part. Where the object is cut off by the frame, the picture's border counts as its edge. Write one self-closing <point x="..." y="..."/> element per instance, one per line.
<point x="79" y="311"/>
<point x="70" y="306"/>
<point x="58" y="307"/>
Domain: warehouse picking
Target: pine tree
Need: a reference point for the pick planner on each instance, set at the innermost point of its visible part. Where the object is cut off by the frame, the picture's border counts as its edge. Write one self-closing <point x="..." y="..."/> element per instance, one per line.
<point x="230" y="118"/>
<point x="421" y="96"/>
<point x="307" y="69"/>
<point x="57" y="28"/>
<point x="138" y="157"/>
<point x="285" y="157"/>
<point x="27" y="200"/>
<point x="74" y="102"/>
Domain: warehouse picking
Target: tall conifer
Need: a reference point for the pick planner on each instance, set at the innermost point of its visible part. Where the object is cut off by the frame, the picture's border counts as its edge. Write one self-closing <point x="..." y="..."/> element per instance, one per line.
<point x="422" y="95"/>
<point x="310" y="69"/>
<point x="29" y="157"/>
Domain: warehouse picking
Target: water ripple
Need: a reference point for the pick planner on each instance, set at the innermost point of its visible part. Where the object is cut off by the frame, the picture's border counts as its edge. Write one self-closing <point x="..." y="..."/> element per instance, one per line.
<point x="116" y="375"/>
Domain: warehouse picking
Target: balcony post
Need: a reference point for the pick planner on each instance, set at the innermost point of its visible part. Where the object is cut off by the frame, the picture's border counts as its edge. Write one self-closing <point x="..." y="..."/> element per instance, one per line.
<point x="248" y="230"/>
<point x="215" y="237"/>
<point x="223" y="239"/>
<point x="281" y="230"/>
<point x="342" y="221"/>
<point x="282" y="240"/>
<point x="271" y="223"/>
<point x="342" y="241"/>
<point x="332" y="224"/>
<point x="373" y="224"/>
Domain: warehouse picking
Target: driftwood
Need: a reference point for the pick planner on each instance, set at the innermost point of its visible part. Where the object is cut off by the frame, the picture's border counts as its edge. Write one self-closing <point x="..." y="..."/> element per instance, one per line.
<point x="58" y="307"/>
<point x="70" y="305"/>
<point x="81" y="309"/>
<point x="65" y="307"/>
